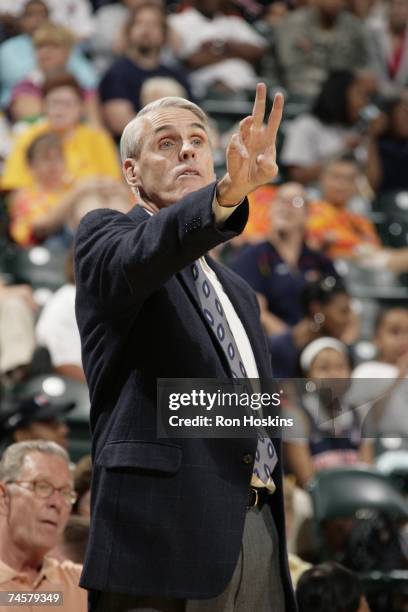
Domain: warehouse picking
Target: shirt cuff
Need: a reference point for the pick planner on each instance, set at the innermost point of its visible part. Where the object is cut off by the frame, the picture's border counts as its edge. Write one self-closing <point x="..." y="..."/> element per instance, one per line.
<point x="222" y="213"/>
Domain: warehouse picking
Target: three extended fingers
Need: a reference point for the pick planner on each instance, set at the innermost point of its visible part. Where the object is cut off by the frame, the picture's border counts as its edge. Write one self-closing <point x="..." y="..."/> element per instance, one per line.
<point x="256" y="120"/>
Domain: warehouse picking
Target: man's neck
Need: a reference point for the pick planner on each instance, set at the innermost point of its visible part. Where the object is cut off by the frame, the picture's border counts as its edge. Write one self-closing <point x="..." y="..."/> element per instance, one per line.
<point x="21" y="560"/>
<point x="146" y="60"/>
<point x="289" y="245"/>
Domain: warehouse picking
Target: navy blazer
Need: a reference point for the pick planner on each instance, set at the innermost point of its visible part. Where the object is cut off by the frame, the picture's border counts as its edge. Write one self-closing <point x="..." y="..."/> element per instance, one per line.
<point x="167" y="515"/>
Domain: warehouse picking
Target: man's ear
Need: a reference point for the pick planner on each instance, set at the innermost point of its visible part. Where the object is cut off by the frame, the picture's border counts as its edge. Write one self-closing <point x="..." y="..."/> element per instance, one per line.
<point x="132" y="174"/>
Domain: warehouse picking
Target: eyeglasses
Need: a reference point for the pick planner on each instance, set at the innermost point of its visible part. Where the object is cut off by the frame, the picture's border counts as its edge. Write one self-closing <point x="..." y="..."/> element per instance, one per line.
<point x="44" y="489"/>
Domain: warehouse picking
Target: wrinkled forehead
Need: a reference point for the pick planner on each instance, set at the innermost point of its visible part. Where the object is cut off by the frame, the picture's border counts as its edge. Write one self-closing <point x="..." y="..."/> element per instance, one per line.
<point x="171" y="117"/>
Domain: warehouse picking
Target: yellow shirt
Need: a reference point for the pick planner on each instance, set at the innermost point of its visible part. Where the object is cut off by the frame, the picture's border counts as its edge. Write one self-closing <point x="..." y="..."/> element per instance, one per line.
<point x="87" y="152"/>
<point x="53" y="576"/>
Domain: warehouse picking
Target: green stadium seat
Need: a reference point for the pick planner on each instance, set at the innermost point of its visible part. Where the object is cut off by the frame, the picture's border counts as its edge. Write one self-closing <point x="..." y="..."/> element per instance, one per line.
<point x="340" y="492"/>
<point x="37" y="266"/>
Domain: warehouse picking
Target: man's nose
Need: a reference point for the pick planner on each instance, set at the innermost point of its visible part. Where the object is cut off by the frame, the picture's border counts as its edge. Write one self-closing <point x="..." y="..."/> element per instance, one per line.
<point x="56" y="500"/>
<point x="187" y="150"/>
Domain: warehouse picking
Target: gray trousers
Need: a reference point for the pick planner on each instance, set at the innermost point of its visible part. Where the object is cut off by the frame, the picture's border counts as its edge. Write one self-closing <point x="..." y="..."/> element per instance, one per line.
<point x="255" y="585"/>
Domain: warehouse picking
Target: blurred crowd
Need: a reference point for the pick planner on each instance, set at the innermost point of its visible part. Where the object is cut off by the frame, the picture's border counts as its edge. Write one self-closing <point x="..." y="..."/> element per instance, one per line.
<point x="325" y="250"/>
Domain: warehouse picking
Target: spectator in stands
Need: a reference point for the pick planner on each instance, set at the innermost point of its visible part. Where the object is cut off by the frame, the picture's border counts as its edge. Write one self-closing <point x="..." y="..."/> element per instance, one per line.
<point x="82" y="485"/>
<point x="331" y="226"/>
<point x="327" y="311"/>
<point x="316" y="39"/>
<point x="327" y="429"/>
<point x="36" y="495"/>
<point x="220" y="49"/>
<point x="5" y="140"/>
<point x="46" y="162"/>
<point x="75" y="15"/>
<point x="338" y="231"/>
<point x="35" y="418"/>
<point x="25" y="108"/>
<point x="88" y="151"/>
<point x="87" y="195"/>
<point x="109" y="39"/>
<point x="388" y="147"/>
<point x="330" y="586"/>
<point x="388" y="39"/>
<point x="17" y="340"/>
<point x="53" y="45"/>
<point x="384" y="380"/>
<point x="120" y="87"/>
<point x="18" y="58"/>
<point x="8" y="24"/>
<point x="331" y="129"/>
<point x="279" y="268"/>
<point x="56" y="327"/>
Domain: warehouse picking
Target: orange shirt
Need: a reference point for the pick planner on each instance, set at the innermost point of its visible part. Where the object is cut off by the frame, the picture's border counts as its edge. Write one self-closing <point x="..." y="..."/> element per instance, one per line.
<point x="258" y="226"/>
<point x="338" y="231"/>
<point x="26" y="207"/>
<point x="54" y="576"/>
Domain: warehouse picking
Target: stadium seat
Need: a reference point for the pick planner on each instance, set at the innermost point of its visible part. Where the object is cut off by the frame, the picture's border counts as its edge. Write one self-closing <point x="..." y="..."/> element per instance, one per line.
<point x="392" y="203"/>
<point x="386" y="591"/>
<point x="37" y="266"/>
<point x="340" y="492"/>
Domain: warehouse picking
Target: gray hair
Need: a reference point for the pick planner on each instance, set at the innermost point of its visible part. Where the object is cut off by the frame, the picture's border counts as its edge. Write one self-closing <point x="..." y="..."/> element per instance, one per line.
<point x="14" y="455"/>
<point x="131" y="140"/>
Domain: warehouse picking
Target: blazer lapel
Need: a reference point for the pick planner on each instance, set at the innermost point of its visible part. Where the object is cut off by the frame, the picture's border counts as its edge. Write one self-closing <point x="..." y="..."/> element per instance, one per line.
<point x="185" y="278"/>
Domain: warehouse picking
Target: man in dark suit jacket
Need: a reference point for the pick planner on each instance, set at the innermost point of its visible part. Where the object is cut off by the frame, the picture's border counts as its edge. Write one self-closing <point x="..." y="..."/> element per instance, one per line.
<point x="176" y="524"/>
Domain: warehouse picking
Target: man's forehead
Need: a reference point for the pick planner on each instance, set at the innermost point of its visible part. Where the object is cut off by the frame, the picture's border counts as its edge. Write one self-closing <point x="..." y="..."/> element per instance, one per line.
<point x="37" y="464"/>
<point x="172" y="116"/>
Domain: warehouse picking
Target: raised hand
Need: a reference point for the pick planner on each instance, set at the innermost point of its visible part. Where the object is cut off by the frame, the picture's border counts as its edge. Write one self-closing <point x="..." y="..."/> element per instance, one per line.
<point x="251" y="153"/>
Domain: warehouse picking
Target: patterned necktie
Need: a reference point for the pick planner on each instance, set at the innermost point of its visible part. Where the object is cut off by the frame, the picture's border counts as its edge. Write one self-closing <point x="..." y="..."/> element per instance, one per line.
<point x="265" y="457"/>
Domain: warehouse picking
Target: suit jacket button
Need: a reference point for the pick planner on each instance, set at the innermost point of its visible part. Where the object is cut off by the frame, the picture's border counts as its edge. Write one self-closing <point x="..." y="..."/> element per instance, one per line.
<point x="248" y="458"/>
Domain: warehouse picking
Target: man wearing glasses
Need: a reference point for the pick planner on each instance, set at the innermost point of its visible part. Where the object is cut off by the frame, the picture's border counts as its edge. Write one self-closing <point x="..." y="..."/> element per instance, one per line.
<point x="36" y="497"/>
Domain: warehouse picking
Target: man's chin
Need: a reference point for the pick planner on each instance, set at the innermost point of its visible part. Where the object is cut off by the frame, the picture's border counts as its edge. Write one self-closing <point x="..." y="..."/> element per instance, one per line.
<point x="190" y="184"/>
